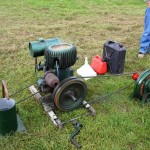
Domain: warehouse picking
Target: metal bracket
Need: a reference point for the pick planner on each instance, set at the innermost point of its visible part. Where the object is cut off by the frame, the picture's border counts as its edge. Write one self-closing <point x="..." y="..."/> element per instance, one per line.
<point x="89" y="108"/>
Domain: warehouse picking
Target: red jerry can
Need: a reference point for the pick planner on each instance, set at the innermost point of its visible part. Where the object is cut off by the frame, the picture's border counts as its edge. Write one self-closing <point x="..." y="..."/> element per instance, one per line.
<point x="98" y="65"/>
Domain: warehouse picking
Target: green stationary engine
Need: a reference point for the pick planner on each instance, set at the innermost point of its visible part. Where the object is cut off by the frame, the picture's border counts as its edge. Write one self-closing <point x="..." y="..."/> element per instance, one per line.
<point x="142" y="86"/>
<point x="68" y="92"/>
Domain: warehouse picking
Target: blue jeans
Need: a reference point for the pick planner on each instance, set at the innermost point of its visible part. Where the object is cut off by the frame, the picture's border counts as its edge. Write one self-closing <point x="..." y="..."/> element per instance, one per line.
<point x="145" y="39"/>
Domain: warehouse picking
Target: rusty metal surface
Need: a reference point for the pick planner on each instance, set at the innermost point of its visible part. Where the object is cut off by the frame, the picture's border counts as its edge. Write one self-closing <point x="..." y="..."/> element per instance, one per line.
<point x="5" y="93"/>
<point x="51" y="79"/>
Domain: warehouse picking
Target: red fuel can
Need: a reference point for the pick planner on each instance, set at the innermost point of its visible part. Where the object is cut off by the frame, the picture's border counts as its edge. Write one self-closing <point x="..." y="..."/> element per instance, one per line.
<point x="98" y="65"/>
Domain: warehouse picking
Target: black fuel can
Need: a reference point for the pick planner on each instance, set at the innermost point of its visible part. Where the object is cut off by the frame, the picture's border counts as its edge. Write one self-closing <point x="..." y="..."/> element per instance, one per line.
<point x="114" y="54"/>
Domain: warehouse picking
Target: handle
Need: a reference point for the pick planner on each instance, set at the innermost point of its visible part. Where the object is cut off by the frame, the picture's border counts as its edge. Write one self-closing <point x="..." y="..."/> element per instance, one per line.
<point x="74" y="142"/>
<point x="112" y="42"/>
<point x="5" y="93"/>
<point x="77" y="127"/>
<point x="41" y="39"/>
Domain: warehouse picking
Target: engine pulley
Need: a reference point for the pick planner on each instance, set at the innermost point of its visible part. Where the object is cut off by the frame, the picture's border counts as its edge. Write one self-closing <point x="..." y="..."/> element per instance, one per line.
<point x="69" y="94"/>
<point x="142" y="86"/>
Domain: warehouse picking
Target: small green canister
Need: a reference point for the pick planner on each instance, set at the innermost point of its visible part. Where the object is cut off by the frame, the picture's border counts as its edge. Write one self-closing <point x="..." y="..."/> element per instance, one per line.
<point x="8" y="116"/>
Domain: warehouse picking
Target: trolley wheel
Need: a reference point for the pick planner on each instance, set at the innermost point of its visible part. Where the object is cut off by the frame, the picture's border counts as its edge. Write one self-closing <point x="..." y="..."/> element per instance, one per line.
<point x="69" y="94"/>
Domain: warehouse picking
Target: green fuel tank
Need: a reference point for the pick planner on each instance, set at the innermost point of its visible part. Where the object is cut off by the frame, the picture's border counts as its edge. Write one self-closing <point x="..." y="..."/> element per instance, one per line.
<point x="37" y="48"/>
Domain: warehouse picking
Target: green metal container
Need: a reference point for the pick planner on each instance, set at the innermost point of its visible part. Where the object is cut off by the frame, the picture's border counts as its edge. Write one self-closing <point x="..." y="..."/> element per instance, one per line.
<point x="37" y="48"/>
<point x="8" y="116"/>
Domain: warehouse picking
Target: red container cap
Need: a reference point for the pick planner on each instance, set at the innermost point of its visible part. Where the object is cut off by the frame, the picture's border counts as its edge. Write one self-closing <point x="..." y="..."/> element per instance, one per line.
<point x="135" y="76"/>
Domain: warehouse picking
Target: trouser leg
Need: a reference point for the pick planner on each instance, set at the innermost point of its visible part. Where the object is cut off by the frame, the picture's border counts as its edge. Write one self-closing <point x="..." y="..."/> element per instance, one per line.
<point x="145" y="39"/>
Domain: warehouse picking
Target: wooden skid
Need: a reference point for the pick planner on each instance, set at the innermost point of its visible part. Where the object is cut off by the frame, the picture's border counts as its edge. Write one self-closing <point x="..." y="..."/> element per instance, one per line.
<point x="47" y="108"/>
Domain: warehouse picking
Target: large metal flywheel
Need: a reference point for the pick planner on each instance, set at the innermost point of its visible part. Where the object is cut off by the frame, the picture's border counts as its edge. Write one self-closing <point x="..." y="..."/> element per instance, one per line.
<point x="142" y="86"/>
<point x="69" y="94"/>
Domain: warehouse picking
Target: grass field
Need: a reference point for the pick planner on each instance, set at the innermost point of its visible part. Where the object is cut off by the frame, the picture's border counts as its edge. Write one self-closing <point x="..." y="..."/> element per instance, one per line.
<point x="120" y="123"/>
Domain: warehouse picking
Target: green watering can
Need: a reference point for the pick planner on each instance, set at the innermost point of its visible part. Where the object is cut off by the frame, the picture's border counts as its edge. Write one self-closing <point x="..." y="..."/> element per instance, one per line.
<point x="8" y="114"/>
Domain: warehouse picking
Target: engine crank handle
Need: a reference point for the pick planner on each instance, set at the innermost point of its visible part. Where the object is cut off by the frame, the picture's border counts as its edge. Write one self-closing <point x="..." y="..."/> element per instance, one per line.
<point x="77" y="127"/>
<point x="74" y="142"/>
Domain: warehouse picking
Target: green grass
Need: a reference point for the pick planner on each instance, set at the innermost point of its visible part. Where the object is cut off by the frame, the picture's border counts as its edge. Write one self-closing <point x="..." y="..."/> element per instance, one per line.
<point x="120" y="123"/>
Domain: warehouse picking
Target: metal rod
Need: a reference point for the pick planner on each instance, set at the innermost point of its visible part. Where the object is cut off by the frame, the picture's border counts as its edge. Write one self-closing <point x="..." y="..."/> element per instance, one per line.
<point x="84" y="115"/>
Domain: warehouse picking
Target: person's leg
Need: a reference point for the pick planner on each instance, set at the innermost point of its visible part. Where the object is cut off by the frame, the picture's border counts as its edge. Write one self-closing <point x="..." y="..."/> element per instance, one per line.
<point x="145" y="39"/>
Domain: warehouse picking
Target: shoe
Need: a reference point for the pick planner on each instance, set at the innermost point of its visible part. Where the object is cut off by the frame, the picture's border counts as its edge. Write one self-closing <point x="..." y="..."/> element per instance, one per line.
<point x="141" y="55"/>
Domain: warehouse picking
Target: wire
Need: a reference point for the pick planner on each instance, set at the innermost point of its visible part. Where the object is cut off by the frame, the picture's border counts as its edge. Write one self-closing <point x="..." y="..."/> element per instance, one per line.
<point x="27" y="97"/>
<point x="124" y="74"/>
<point x="22" y="89"/>
<point x="107" y="95"/>
<point x="98" y="99"/>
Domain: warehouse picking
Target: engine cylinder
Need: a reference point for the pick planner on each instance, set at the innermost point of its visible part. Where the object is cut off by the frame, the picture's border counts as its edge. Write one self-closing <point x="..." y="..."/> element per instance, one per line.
<point x="65" y="55"/>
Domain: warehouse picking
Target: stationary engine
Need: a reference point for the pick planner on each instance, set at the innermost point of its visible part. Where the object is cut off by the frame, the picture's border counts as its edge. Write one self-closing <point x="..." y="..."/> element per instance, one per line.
<point x="142" y="86"/>
<point x="67" y="91"/>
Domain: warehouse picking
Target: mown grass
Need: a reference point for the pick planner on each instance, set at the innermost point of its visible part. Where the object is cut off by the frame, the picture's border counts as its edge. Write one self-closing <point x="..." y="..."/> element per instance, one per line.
<point x="121" y="123"/>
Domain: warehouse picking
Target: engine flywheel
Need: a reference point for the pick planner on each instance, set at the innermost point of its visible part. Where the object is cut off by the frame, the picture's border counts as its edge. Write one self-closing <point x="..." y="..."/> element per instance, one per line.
<point x="142" y="86"/>
<point x="69" y="94"/>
